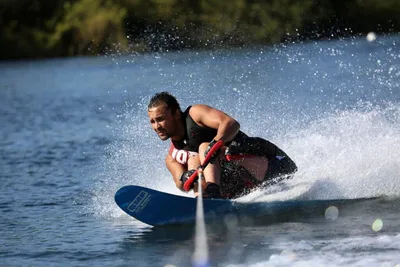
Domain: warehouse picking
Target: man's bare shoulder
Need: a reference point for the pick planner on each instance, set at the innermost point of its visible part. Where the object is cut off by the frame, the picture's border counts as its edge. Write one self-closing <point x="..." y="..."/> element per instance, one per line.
<point x="199" y="109"/>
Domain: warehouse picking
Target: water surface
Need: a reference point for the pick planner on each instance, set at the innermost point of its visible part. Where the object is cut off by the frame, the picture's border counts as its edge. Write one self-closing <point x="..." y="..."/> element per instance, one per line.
<point x="73" y="131"/>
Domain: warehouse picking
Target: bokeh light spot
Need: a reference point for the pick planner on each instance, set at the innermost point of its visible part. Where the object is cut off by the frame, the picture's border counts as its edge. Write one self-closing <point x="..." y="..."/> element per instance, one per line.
<point x="377" y="225"/>
<point x="371" y="36"/>
<point x="331" y="213"/>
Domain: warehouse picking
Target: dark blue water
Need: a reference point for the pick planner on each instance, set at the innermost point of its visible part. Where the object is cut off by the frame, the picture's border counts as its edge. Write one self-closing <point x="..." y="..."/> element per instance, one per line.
<point x="73" y="131"/>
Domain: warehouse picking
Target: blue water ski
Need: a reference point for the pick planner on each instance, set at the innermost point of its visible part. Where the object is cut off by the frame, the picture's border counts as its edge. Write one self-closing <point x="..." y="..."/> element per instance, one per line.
<point x="158" y="208"/>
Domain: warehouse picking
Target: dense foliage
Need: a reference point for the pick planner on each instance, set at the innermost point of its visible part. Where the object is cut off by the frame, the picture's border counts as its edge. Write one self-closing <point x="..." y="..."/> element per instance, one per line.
<point x="46" y="28"/>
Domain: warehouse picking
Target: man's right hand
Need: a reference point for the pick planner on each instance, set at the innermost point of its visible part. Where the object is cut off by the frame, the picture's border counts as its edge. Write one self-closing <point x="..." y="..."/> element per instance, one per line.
<point x="185" y="176"/>
<point x="214" y="156"/>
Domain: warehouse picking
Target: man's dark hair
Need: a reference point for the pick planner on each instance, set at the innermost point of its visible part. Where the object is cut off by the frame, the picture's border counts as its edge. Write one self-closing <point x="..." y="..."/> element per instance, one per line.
<point x="164" y="98"/>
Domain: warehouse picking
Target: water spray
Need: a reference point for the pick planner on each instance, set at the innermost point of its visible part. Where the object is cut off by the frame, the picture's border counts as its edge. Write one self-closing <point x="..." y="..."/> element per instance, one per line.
<point x="200" y="255"/>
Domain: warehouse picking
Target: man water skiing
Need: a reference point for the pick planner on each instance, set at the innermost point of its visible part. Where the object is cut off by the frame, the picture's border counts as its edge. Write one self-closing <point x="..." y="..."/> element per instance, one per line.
<point x="242" y="163"/>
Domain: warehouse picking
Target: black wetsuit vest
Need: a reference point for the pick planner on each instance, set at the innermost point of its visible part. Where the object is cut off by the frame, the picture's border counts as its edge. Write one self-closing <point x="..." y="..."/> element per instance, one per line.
<point x="195" y="135"/>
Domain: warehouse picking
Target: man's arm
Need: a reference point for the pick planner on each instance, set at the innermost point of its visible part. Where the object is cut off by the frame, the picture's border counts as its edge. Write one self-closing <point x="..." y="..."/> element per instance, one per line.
<point x="227" y="127"/>
<point x="176" y="169"/>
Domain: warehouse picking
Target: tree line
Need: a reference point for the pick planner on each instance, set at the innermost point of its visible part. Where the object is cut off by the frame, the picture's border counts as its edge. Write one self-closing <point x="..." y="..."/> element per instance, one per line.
<point x="54" y="28"/>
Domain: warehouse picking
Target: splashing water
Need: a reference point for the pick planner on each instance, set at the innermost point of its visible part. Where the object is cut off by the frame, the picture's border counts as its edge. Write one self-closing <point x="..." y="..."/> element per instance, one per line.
<point x="348" y="154"/>
<point x="338" y="125"/>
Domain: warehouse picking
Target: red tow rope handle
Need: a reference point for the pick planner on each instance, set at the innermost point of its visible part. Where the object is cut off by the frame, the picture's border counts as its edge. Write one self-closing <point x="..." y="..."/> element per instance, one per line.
<point x="210" y="154"/>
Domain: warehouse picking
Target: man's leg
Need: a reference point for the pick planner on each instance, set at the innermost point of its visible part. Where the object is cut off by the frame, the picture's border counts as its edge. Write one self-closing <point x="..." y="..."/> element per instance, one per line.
<point x="212" y="172"/>
<point x="256" y="166"/>
<point x="212" y="175"/>
<point x="263" y="159"/>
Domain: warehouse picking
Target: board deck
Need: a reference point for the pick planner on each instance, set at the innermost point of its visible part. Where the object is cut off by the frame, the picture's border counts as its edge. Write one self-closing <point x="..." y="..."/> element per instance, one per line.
<point x="159" y="208"/>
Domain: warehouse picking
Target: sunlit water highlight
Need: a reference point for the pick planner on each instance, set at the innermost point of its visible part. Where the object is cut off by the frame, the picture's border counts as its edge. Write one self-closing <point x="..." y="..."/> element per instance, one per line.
<point x="200" y="255"/>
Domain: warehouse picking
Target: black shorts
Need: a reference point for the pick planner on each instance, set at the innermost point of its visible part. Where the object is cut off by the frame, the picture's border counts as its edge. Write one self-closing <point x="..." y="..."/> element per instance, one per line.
<point x="237" y="181"/>
<point x="279" y="163"/>
<point x="279" y="167"/>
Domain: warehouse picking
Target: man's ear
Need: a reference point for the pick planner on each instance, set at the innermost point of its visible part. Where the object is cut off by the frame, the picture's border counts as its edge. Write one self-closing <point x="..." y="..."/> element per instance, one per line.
<point x="178" y="114"/>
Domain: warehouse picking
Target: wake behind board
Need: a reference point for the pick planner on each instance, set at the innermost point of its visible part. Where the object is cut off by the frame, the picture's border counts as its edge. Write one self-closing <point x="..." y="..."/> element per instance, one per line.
<point x="158" y="208"/>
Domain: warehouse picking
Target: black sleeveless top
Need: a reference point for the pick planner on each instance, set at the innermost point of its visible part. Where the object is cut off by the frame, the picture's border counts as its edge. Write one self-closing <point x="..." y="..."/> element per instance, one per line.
<point x="195" y="135"/>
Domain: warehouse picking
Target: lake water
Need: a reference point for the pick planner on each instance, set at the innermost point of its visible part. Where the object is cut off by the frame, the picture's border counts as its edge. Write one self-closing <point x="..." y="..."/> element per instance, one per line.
<point x="73" y="131"/>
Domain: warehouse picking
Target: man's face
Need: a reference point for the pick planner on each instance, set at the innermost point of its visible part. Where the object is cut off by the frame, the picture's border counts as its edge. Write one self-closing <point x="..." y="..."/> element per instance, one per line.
<point x="163" y="122"/>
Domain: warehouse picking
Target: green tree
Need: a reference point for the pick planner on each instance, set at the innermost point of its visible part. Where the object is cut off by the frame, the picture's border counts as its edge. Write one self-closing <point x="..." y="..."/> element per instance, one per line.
<point x="42" y="28"/>
<point x="20" y="20"/>
<point x="88" y="24"/>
